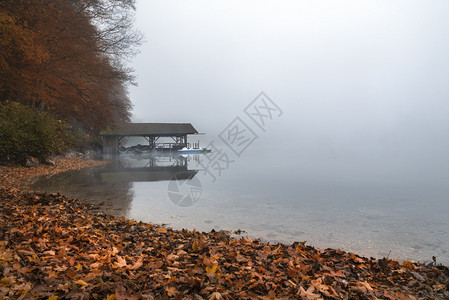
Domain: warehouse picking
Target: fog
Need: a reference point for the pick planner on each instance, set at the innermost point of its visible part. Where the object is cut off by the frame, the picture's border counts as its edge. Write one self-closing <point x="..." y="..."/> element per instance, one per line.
<point x="363" y="85"/>
<point x="353" y="149"/>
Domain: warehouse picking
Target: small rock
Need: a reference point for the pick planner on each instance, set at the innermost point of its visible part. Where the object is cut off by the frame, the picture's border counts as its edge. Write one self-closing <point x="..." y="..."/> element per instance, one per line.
<point x="418" y="276"/>
<point x="49" y="162"/>
<point x="31" y="162"/>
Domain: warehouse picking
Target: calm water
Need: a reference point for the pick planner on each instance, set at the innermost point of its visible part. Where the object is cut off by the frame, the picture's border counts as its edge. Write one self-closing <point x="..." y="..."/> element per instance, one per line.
<point x="276" y="197"/>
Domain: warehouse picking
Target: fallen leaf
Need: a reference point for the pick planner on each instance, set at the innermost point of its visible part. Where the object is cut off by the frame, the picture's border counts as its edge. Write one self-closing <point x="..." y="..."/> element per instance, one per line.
<point x="171" y="291"/>
<point x="439" y="287"/>
<point x="71" y="273"/>
<point x="81" y="282"/>
<point x="366" y="285"/>
<point x="60" y="268"/>
<point x="195" y="246"/>
<point x="7" y="281"/>
<point x="162" y="230"/>
<point x="121" y="262"/>
<point x="212" y="268"/>
<point x="408" y="265"/>
<point x="215" y="296"/>
<point x="137" y="264"/>
<point x="309" y="295"/>
<point x="61" y="254"/>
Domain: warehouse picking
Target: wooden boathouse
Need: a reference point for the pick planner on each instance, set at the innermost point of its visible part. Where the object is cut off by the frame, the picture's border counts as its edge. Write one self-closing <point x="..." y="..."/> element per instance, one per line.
<point x="152" y="132"/>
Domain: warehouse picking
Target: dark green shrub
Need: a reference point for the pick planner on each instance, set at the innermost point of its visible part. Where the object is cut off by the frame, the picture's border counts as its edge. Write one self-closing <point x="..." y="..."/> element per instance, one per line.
<point x="25" y="131"/>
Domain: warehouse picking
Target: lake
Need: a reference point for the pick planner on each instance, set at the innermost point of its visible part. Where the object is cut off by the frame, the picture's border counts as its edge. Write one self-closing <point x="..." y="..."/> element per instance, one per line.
<point x="274" y="197"/>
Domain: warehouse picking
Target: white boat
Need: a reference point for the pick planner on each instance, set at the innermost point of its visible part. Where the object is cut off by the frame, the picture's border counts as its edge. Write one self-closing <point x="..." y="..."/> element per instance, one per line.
<point x="186" y="150"/>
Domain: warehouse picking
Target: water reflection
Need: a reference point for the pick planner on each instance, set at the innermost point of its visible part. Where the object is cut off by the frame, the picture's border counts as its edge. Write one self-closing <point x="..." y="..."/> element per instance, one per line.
<point x="275" y="199"/>
<point x="111" y="185"/>
<point x="141" y="168"/>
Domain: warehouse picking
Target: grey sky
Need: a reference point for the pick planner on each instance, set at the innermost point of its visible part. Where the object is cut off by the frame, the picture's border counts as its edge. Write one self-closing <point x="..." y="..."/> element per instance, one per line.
<point x="354" y="78"/>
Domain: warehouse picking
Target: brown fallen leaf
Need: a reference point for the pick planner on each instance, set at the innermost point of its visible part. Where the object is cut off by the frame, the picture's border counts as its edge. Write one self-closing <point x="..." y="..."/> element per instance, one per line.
<point x="408" y="265"/>
<point x="61" y="254"/>
<point x="120" y="263"/>
<point x="195" y="246"/>
<point x="71" y="273"/>
<point x="171" y="291"/>
<point x="215" y="296"/>
<point x="366" y="285"/>
<point x="439" y="287"/>
<point x="309" y="295"/>
<point x="137" y="264"/>
<point x="162" y="230"/>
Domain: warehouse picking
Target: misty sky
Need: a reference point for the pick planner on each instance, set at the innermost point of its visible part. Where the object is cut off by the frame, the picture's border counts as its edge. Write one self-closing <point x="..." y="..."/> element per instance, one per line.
<point x="357" y="80"/>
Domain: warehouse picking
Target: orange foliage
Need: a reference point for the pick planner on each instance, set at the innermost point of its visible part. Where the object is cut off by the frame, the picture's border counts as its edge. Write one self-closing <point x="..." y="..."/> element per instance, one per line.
<point x="54" y="57"/>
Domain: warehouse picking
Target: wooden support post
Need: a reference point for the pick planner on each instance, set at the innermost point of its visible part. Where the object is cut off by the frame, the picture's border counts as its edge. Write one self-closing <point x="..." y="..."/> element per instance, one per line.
<point x="110" y="144"/>
<point x="152" y="142"/>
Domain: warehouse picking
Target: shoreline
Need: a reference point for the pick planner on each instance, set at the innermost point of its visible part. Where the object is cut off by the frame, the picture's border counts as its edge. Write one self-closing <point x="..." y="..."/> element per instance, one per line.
<point x="43" y="254"/>
<point x="16" y="176"/>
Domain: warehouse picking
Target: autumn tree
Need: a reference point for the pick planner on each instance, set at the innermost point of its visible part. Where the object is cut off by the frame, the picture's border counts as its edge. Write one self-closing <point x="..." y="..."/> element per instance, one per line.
<point x="19" y="48"/>
<point x="69" y="57"/>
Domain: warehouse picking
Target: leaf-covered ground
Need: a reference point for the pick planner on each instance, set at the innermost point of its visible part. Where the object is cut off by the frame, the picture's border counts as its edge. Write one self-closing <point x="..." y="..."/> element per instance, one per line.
<point x="14" y="176"/>
<point x="51" y="246"/>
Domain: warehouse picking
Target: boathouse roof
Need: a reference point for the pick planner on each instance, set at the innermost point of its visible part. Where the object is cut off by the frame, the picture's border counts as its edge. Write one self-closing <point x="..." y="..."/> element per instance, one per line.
<point x="150" y="129"/>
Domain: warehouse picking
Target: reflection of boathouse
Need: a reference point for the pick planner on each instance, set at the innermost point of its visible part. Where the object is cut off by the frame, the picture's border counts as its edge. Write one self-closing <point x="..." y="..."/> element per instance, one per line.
<point x="112" y="183"/>
<point x="152" y="132"/>
<point x="148" y="168"/>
